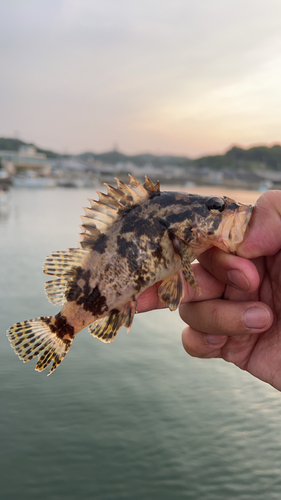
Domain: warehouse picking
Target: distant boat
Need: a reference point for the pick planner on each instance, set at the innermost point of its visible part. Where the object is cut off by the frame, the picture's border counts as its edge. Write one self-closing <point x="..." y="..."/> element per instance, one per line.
<point x="34" y="182"/>
<point x="74" y="183"/>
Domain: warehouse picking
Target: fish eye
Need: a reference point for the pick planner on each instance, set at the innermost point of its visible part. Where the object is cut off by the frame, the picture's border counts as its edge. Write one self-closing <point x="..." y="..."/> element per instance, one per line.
<point x="215" y="204"/>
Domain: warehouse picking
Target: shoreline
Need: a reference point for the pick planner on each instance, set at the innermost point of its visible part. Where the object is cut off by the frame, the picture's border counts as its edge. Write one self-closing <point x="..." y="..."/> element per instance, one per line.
<point x="240" y="195"/>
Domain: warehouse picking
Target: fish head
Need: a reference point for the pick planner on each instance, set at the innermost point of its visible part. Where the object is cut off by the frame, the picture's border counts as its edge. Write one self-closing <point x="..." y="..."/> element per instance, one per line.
<point x="234" y="219"/>
<point x="205" y="221"/>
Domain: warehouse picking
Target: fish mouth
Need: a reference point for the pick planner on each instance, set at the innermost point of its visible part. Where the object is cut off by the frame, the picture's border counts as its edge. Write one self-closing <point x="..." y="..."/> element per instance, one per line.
<point x="235" y="226"/>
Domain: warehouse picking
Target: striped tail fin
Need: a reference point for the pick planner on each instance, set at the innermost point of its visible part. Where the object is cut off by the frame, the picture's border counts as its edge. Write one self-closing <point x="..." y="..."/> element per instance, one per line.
<point x="39" y="337"/>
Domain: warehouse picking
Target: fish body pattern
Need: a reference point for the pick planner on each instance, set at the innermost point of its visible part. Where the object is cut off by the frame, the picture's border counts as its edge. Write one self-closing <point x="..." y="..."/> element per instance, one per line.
<point x="132" y="237"/>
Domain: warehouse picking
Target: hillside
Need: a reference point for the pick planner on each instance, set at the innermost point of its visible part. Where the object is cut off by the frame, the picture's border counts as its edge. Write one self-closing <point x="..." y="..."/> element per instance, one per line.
<point x="140" y="159"/>
<point x="8" y="144"/>
<point x="255" y="157"/>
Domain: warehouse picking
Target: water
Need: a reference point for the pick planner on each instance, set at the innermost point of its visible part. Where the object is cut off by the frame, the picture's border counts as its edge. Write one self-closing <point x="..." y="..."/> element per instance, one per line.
<point x="136" y="419"/>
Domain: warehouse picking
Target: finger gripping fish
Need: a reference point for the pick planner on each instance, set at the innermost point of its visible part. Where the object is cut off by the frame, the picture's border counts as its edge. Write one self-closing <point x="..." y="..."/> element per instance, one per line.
<point x="132" y="237"/>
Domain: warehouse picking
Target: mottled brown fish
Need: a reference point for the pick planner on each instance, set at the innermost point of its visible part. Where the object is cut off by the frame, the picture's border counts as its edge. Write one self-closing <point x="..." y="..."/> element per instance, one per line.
<point x="133" y="237"/>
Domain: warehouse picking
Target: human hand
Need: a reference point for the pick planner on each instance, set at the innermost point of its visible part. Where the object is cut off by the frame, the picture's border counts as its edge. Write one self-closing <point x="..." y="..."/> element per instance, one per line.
<point x="243" y="327"/>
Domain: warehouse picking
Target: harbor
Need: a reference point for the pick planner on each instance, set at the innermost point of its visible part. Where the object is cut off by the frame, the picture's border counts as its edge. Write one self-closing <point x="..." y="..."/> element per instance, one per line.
<point x="29" y="168"/>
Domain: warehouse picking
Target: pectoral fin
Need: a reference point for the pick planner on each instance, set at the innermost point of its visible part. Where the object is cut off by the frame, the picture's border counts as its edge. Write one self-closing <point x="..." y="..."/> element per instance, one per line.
<point x="186" y="259"/>
<point x="171" y="291"/>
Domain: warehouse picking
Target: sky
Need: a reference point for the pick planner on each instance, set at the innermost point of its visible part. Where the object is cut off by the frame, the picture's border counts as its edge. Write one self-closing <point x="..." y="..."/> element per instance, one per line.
<point x="183" y="77"/>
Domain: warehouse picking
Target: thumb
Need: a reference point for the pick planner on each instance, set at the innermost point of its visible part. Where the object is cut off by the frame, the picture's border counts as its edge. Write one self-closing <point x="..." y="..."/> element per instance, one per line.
<point x="263" y="236"/>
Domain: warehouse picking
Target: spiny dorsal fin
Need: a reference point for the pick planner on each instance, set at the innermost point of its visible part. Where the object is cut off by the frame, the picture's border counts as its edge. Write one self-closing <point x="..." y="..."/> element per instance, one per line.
<point x="130" y="194"/>
<point x="107" y="201"/>
<point x="117" y="195"/>
<point x="63" y="266"/>
<point x="138" y="188"/>
<point x="110" y="207"/>
<point x="149" y="186"/>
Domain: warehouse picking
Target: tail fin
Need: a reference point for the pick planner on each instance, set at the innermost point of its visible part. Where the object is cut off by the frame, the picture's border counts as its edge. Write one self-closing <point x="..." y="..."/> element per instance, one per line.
<point x="38" y="337"/>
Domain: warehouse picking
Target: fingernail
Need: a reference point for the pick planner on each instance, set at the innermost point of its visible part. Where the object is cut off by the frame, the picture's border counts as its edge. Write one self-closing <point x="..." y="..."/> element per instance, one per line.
<point x="256" y="317"/>
<point x="238" y="279"/>
<point x="215" y="339"/>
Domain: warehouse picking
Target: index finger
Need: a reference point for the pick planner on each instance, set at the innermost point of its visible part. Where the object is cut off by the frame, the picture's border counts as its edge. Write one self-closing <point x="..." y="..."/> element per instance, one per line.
<point x="232" y="270"/>
<point x="210" y="288"/>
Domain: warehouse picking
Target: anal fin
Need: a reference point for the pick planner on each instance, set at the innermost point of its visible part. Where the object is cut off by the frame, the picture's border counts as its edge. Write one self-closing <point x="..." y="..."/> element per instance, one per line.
<point x="171" y="291"/>
<point x="107" y="328"/>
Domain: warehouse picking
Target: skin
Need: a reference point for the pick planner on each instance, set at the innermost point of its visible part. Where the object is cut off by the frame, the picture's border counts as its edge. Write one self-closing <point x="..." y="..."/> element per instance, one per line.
<point x="238" y="316"/>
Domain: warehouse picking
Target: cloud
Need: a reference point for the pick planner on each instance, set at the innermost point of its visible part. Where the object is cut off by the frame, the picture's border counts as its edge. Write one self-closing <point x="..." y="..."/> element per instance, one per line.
<point x="143" y="74"/>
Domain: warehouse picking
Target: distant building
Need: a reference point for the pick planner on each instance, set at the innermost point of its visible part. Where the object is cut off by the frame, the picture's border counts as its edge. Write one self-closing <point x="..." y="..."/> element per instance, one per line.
<point x="25" y="159"/>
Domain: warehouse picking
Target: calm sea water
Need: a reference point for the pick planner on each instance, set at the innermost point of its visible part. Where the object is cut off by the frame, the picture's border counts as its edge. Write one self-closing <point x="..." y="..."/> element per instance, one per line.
<point x="136" y="419"/>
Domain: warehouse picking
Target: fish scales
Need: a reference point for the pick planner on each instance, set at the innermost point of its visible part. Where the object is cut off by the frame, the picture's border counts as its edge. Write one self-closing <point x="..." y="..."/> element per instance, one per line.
<point x="132" y="237"/>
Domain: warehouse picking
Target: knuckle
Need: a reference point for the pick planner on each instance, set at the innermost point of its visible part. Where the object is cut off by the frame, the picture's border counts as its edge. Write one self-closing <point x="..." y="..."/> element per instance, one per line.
<point x="219" y="319"/>
<point x="229" y="320"/>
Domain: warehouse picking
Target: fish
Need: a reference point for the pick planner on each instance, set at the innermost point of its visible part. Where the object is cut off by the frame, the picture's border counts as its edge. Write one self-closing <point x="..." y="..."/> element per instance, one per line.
<point x="133" y="236"/>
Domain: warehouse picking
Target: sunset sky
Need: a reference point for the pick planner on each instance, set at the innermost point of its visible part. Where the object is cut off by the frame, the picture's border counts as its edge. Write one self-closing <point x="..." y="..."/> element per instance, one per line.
<point x="180" y="77"/>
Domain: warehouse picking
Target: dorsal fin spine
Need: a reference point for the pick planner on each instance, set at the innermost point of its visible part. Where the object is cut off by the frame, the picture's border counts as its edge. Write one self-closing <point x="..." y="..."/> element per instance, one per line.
<point x="98" y="215"/>
<point x="118" y="195"/>
<point x="109" y="208"/>
<point x="107" y="200"/>
<point x="149" y="186"/>
<point x="103" y="208"/>
<point x="138" y="187"/>
<point x="128" y="191"/>
<point x="95" y="233"/>
<point x="95" y="223"/>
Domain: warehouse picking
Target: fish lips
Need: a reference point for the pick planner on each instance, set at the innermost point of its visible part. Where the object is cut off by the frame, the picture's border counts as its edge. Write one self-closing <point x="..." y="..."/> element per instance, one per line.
<point x="235" y="227"/>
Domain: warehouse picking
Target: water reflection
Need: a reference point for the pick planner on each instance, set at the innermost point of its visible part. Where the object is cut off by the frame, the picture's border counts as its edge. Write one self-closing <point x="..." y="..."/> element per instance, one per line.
<point x="132" y="420"/>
